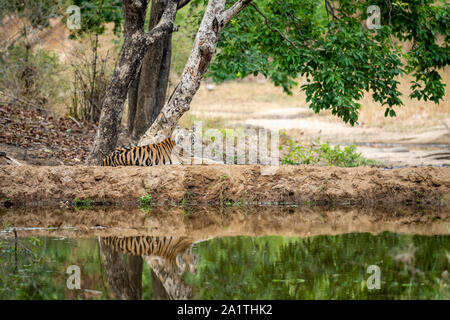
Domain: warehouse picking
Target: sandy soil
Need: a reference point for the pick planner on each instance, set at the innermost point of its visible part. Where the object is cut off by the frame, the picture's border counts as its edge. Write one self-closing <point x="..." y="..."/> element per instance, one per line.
<point x="418" y="136"/>
<point x="407" y="148"/>
<point x="222" y="184"/>
<point x="410" y="148"/>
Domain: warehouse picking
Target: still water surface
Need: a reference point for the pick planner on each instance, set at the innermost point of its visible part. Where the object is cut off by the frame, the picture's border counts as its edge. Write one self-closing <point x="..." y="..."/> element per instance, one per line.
<point x="234" y="267"/>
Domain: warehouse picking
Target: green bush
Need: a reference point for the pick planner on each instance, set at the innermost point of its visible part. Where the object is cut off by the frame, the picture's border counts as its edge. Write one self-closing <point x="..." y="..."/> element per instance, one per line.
<point x="318" y="153"/>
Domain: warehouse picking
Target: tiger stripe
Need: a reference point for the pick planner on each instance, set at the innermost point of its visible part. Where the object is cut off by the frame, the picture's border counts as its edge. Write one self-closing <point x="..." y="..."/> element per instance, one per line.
<point x="150" y="155"/>
<point x="167" y="247"/>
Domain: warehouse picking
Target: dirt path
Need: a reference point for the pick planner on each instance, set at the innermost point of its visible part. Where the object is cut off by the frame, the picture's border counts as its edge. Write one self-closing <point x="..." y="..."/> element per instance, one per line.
<point x="418" y="136"/>
<point x="226" y="184"/>
<point x="408" y="148"/>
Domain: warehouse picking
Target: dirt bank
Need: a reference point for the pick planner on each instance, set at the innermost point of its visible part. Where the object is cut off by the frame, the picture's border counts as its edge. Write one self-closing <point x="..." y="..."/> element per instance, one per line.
<point x="201" y="223"/>
<point x="228" y="184"/>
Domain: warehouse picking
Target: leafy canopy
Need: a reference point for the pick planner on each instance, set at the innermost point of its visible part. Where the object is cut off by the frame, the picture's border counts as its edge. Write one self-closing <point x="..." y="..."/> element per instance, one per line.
<point x="340" y="58"/>
<point x="96" y="13"/>
<point x="37" y="13"/>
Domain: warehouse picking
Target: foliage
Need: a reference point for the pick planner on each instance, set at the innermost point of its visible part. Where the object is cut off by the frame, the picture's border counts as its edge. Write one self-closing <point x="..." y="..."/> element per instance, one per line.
<point x="333" y="156"/>
<point x="269" y="267"/>
<point x="81" y="203"/>
<point x="30" y="74"/>
<point x="145" y="202"/>
<point x="38" y="271"/>
<point x="96" y="14"/>
<point x="91" y="75"/>
<point x="321" y="267"/>
<point x="339" y="57"/>
<point x="37" y="13"/>
<point x="20" y="259"/>
<point x="183" y="39"/>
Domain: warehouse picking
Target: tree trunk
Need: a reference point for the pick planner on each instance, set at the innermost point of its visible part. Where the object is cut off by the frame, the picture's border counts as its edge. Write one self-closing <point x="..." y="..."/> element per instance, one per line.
<point x="123" y="272"/>
<point x="214" y="20"/>
<point x="134" y="48"/>
<point x="170" y="284"/>
<point x="132" y="102"/>
<point x="148" y="94"/>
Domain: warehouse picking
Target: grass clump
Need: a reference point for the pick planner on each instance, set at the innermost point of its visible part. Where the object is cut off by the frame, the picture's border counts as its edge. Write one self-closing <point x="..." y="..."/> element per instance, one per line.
<point x="145" y="202"/>
<point x="324" y="153"/>
<point x="81" y="203"/>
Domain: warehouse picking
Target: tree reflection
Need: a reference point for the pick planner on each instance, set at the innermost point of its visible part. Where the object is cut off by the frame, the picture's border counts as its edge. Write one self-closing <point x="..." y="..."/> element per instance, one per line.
<point x="168" y="258"/>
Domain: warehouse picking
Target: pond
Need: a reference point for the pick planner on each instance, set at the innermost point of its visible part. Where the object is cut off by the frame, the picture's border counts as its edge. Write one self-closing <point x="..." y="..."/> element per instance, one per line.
<point x="201" y="261"/>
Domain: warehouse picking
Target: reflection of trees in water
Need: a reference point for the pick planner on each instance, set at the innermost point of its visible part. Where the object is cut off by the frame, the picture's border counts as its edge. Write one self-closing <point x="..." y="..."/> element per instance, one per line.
<point x="168" y="258"/>
<point x="123" y="272"/>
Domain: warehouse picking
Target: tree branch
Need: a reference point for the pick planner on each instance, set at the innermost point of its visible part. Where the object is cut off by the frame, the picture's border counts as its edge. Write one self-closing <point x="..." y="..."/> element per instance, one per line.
<point x="204" y="46"/>
<point x="266" y="20"/>
<point x="229" y="14"/>
<point x="182" y="3"/>
<point x="330" y="9"/>
<point x="165" y="24"/>
<point x="133" y="16"/>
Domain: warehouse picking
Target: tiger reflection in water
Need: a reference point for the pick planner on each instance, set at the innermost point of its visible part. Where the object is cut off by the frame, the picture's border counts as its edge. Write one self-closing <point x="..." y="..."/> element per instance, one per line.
<point x="168" y="258"/>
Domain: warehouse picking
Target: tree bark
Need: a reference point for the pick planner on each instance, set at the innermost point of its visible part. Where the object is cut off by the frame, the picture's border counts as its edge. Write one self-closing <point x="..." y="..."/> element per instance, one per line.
<point x="148" y="92"/>
<point x="132" y="102"/>
<point x="134" y="48"/>
<point x="123" y="273"/>
<point x="214" y="20"/>
<point x="170" y="284"/>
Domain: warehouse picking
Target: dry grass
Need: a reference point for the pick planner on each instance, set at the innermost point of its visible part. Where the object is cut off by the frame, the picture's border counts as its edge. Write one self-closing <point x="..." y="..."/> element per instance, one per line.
<point x="56" y="39"/>
<point x="414" y="113"/>
<point x="244" y="96"/>
<point x="237" y="100"/>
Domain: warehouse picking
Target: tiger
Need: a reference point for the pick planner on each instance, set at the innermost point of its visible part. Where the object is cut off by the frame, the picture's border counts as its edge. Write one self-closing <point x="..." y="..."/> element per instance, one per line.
<point x="175" y="250"/>
<point x="168" y="258"/>
<point x="166" y="152"/>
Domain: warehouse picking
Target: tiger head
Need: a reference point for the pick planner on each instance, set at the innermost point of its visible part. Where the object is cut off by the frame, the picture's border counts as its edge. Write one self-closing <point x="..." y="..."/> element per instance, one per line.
<point x="187" y="261"/>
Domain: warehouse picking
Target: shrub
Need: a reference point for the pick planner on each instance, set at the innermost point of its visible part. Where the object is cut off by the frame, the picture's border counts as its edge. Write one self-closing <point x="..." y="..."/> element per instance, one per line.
<point x="145" y="200"/>
<point x="29" y="75"/>
<point x="318" y="153"/>
<point x="81" y="203"/>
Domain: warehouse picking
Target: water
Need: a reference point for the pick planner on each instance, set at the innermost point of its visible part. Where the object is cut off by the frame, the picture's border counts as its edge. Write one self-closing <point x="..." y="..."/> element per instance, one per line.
<point x="226" y="267"/>
<point x="235" y="252"/>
